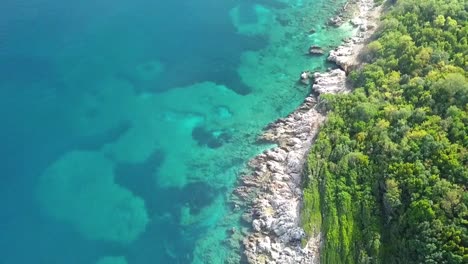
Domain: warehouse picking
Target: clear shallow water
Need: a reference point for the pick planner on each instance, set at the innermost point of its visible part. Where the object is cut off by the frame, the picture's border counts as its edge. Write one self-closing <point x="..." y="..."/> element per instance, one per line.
<point x="126" y="123"/>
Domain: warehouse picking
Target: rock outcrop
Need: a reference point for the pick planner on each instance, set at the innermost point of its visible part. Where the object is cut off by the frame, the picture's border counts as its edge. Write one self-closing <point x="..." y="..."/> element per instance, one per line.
<point x="274" y="184"/>
<point x="335" y="21"/>
<point x="305" y="77"/>
<point x="333" y="81"/>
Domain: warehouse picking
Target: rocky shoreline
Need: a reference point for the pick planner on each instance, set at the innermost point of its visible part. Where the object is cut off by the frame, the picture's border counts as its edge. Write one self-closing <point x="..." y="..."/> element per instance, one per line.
<point x="271" y="191"/>
<point x="365" y="18"/>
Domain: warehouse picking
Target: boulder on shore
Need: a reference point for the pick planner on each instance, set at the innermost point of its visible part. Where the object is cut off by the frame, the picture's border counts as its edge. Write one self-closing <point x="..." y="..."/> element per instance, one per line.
<point x="333" y="81"/>
<point x="305" y="77"/>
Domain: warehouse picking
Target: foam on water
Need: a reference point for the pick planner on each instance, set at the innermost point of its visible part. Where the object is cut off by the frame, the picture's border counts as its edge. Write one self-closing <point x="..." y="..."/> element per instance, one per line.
<point x="127" y="125"/>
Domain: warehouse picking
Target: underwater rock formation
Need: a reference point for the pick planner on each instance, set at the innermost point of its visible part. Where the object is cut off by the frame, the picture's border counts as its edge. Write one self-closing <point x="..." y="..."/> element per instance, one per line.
<point x="79" y="189"/>
<point x="316" y="50"/>
<point x="264" y="19"/>
<point x="210" y="138"/>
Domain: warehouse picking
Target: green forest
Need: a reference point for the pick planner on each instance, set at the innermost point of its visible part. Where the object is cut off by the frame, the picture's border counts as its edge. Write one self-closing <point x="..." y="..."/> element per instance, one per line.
<point x="388" y="172"/>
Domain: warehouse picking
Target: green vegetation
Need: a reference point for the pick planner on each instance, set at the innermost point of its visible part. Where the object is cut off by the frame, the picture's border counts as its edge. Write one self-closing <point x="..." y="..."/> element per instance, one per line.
<point x="391" y="164"/>
<point x="311" y="209"/>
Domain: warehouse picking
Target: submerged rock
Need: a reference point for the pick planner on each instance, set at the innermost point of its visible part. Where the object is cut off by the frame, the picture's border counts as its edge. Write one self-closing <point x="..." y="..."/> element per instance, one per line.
<point x="335" y="21"/>
<point x="83" y="181"/>
<point x="210" y="138"/>
<point x="316" y="50"/>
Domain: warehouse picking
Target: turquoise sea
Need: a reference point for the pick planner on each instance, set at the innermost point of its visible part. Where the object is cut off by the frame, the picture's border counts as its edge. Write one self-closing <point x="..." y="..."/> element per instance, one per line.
<point x="125" y="124"/>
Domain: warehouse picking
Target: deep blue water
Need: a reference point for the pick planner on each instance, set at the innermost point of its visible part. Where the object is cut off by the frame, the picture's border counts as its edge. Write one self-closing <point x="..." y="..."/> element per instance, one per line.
<point x="125" y="81"/>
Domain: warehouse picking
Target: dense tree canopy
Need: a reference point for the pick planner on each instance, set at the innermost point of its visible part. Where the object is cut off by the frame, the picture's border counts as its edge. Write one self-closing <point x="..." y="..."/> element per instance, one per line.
<point x="389" y="169"/>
